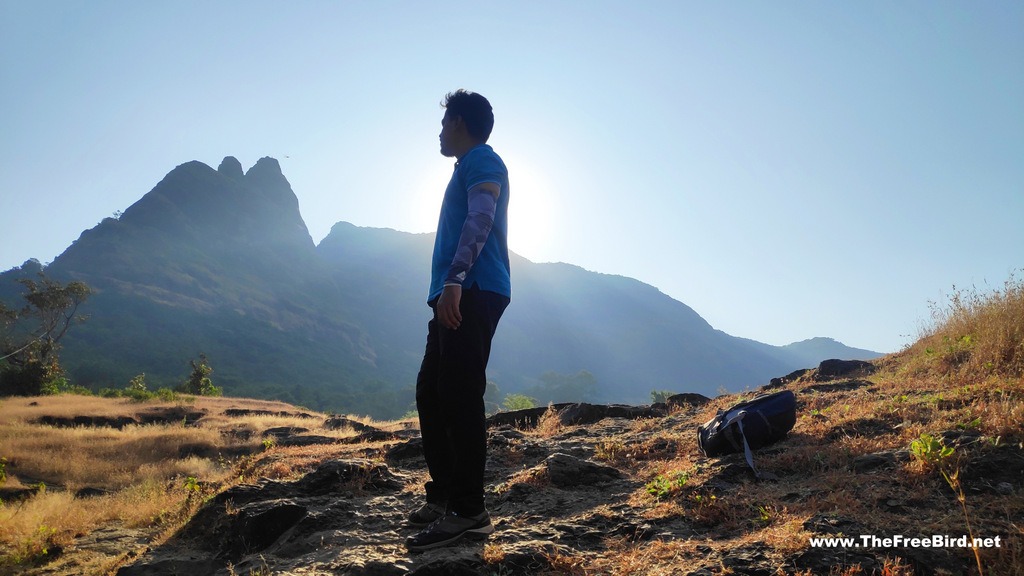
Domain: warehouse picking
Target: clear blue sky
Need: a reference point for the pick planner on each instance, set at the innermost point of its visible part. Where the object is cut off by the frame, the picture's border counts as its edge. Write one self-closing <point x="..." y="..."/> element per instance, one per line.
<point x="787" y="169"/>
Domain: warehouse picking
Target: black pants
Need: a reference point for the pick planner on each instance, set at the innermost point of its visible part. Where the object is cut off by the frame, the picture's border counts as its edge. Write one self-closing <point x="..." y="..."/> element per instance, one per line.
<point x="450" y="400"/>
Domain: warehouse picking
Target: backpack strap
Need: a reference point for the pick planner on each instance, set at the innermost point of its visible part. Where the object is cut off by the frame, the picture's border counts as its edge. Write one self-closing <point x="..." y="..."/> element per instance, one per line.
<point x="726" y="428"/>
<point x="750" y="457"/>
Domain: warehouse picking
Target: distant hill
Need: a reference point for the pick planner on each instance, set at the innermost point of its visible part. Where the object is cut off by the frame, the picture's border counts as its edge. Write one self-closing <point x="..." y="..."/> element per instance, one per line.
<point x="220" y="262"/>
<point x="812" y="351"/>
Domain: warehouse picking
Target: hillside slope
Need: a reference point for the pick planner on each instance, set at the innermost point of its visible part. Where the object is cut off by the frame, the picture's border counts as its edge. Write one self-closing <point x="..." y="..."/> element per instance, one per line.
<point x="220" y="262"/>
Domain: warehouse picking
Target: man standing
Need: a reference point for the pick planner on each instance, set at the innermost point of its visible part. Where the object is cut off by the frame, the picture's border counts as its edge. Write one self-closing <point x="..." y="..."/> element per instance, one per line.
<point x="469" y="289"/>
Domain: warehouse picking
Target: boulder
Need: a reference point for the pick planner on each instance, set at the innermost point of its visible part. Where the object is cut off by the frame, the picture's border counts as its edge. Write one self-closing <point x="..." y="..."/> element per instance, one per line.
<point x="284" y="431"/>
<point x="693" y="399"/>
<point x="834" y="369"/>
<point x="412" y="448"/>
<point x="566" y="471"/>
<point x="337" y="422"/>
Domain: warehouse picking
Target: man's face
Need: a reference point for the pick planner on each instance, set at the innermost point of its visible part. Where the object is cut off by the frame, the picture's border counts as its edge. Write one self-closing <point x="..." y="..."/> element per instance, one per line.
<point x="447" y="135"/>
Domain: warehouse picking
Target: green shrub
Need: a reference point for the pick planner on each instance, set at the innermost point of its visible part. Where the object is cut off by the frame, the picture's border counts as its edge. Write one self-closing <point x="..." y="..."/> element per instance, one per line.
<point x="515" y="402"/>
<point x="167" y="395"/>
<point x="137" y="395"/>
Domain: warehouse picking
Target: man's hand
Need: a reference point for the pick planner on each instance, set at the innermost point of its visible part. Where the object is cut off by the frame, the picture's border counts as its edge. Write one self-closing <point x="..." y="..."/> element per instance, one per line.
<point x="448" y="307"/>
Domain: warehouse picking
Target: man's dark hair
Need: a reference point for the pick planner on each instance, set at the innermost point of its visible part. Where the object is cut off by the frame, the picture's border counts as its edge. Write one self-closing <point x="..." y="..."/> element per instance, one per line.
<point x="475" y="111"/>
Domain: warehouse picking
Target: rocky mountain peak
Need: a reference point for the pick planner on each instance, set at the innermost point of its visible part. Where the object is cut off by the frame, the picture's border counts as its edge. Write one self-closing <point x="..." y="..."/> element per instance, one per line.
<point x="267" y="170"/>
<point x="224" y="217"/>
<point x="231" y="168"/>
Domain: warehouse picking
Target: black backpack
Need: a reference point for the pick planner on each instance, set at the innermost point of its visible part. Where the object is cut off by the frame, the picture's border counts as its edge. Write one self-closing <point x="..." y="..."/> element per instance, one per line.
<point x="748" y="426"/>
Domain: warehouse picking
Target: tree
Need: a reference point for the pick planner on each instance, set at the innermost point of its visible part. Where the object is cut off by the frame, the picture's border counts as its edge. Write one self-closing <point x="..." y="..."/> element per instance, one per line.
<point x="30" y="336"/>
<point x="492" y="398"/>
<point x="660" y="395"/>
<point x="138" y="384"/>
<point x="515" y="402"/>
<point x="199" y="382"/>
<point x="555" y="387"/>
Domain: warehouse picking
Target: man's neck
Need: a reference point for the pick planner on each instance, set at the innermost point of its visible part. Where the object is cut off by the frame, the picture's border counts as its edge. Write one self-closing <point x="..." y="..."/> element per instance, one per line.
<point x="467" y="147"/>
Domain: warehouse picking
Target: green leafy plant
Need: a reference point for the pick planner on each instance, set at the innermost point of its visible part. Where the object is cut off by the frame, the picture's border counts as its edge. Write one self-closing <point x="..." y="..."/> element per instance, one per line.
<point x="191" y="485"/>
<point x="665" y="485"/>
<point x="3" y="471"/>
<point x="268" y="443"/>
<point x="930" y="449"/>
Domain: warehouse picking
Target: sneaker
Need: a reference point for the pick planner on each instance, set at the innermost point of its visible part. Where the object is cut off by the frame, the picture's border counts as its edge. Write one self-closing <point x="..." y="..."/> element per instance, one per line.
<point x="426" y="514"/>
<point x="449" y="529"/>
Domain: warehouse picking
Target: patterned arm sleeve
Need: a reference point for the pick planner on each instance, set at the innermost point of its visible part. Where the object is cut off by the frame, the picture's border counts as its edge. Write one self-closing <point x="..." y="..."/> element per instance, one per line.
<point x="482" y="205"/>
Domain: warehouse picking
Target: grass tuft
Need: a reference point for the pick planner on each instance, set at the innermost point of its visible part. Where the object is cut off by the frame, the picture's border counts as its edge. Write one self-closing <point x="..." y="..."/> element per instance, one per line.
<point x="976" y="333"/>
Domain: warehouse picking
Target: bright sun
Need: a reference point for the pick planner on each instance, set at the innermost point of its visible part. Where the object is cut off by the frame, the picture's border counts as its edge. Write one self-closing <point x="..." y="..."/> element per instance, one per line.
<point x="530" y="210"/>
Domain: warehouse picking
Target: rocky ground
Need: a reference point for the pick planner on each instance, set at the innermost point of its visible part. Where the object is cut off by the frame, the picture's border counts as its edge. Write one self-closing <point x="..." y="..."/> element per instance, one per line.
<point x="585" y="489"/>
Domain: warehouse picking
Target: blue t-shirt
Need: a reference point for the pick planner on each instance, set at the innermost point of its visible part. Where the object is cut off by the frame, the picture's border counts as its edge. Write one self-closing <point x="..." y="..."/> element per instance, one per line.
<point x="491" y="269"/>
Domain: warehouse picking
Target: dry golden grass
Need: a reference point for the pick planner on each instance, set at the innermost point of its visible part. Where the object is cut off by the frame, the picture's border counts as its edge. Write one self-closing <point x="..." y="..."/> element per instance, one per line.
<point x="536" y="476"/>
<point x="493" y="553"/>
<point x="110" y="458"/>
<point x="656" y="558"/>
<point x="143" y="468"/>
<point x="975" y="334"/>
<point x="549" y="424"/>
<point x="104" y="457"/>
<point x="31" y="528"/>
<point x="68" y="405"/>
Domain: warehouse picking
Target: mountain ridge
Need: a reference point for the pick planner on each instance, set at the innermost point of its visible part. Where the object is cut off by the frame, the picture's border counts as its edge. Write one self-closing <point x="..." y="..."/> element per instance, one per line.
<point x="221" y="261"/>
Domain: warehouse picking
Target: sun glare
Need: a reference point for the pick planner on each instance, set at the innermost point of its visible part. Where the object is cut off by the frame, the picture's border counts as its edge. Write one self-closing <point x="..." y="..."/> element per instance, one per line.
<point x="531" y="205"/>
<point x="420" y="214"/>
<point x="530" y="208"/>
